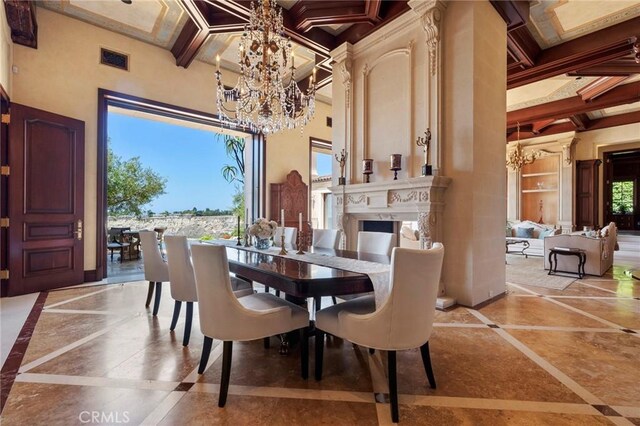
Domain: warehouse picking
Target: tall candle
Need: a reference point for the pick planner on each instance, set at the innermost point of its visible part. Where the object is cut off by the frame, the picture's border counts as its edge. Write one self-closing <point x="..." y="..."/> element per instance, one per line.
<point x="246" y="218"/>
<point x="300" y="222"/>
<point x="282" y="218"/>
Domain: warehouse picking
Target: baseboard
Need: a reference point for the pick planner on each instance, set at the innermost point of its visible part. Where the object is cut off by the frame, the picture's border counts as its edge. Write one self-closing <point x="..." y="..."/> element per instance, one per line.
<point x="489" y="301"/>
<point x="91" y="276"/>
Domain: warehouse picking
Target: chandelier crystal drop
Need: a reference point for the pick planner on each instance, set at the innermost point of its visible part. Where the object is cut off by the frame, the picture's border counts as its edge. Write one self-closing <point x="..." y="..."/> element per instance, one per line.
<point x="266" y="98"/>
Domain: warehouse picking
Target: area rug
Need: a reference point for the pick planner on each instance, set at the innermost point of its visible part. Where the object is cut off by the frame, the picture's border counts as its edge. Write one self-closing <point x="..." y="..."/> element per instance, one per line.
<point x="531" y="272"/>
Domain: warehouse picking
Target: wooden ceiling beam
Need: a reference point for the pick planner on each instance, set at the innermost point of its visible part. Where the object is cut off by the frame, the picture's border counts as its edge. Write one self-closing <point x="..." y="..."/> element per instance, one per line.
<point x="514" y="12"/>
<point x="589" y="50"/>
<point x="21" y="17"/>
<point x="565" y="108"/>
<point x="618" y="67"/>
<point x="553" y="129"/>
<point x="309" y="13"/>
<point x="522" y="47"/>
<point x="581" y="121"/>
<point x="615" y="120"/>
<point x="538" y="126"/>
<point x="599" y="87"/>
<point x="601" y="123"/>
<point x="389" y="10"/>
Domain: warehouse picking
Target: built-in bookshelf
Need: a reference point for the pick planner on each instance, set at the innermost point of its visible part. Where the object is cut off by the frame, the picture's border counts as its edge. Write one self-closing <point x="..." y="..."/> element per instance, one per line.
<point x="539" y="196"/>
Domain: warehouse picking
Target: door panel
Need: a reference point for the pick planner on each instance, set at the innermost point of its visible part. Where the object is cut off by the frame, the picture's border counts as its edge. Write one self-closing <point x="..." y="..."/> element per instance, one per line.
<point x="46" y="189"/>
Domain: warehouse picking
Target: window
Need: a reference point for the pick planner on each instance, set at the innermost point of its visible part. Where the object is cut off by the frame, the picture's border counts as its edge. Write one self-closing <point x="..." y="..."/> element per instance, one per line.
<point x="622" y="197"/>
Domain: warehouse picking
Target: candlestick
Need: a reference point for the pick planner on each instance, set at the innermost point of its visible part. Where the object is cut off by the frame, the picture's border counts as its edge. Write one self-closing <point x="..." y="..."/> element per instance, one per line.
<point x="367" y="168"/>
<point x="283" y="251"/>
<point x="300" y="240"/>
<point x="238" y="243"/>
<point x="396" y="164"/>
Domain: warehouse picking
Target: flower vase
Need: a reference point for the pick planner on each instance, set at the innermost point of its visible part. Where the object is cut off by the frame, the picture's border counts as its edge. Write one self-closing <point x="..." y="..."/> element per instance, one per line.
<point x="262" y="243"/>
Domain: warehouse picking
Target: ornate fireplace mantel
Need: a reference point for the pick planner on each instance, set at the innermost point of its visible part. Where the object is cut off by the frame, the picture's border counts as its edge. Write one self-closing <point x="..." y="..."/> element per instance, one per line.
<point x="420" y="199"/>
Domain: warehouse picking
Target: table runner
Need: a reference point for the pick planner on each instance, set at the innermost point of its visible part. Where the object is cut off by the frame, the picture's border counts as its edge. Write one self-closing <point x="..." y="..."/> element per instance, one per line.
<point x="378" y="272"/>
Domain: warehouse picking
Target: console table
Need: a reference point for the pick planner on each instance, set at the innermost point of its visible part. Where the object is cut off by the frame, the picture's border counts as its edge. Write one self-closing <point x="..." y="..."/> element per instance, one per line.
<point x="567" y="251"/>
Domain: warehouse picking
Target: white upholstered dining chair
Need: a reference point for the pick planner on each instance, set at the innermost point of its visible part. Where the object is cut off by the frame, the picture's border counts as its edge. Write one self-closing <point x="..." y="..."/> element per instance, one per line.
<point x="227" y="318"/>
<point x="156" y="270"/>
<point x="404" y="321"/>
<point x="326" y="238"/>
<point x="290" y="235"/>
<point x="183" y="281"/>
<point x="375" y="242"/>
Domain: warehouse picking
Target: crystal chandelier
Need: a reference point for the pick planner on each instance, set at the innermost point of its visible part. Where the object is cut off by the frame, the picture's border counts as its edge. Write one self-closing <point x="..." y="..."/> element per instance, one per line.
<point x="517" y="157"/>
<point x="261" y="100"/>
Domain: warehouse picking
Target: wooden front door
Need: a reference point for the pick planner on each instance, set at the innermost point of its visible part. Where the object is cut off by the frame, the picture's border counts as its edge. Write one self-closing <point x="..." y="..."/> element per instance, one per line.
<point x="46" y="201"/>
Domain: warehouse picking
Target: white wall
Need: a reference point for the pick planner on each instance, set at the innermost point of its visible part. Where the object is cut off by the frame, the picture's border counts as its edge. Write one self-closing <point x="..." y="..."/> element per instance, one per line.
<point x="6" y="52"/>
<point x="474" y="150"/>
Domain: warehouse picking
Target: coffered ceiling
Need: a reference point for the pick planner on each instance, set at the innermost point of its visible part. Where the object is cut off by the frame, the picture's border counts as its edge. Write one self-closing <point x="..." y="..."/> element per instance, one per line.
<point x="158" y="22"/>
<point x="572" y="64"/>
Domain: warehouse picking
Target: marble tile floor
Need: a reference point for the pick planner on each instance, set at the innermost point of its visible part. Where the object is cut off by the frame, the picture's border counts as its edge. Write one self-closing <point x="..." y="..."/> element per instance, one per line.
<point x="535" y="356"/>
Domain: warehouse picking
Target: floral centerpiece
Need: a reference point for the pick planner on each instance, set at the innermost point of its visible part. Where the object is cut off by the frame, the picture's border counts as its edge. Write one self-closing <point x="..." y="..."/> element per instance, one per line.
<point x="263" y="230"/>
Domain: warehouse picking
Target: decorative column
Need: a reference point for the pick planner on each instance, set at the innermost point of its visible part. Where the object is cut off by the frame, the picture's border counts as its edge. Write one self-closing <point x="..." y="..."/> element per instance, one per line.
<point x="566" y="187"/>
<point x="342" y="71"/>
<point x="431" y="14"/>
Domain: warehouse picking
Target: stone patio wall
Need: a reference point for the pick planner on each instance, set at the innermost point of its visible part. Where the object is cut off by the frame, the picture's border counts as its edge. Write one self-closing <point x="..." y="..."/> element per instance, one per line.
<point x="191" y="226"/>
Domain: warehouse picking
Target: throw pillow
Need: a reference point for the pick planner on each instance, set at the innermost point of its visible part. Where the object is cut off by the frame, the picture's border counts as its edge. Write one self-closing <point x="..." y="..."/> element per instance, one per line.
<point x="546" y="233"/>
<point x="524" y="232"/>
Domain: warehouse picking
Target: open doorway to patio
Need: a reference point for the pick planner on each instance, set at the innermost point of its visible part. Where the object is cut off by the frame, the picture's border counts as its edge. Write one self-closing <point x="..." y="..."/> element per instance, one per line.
<point x="320" y="178"/>
<point x="173" y="171"/>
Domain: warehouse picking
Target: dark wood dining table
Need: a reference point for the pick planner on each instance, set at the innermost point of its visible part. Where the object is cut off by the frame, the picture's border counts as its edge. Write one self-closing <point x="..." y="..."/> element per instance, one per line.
<point x="300" y="279"/>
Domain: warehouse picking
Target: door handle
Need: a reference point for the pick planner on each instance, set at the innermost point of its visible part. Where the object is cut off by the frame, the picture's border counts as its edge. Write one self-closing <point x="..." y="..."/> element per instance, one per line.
<point x="78" y="231"/>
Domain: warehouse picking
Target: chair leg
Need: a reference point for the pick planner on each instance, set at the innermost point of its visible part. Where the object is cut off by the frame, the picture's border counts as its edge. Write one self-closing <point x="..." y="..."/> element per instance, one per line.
<point x="266" y="289"/>
<point x="277" y="293"/>
<point x="176" y="314"/>
<point x="393" y="385"/>
<point x="334" y="300"/>
<point x="319" y="352"/>
<point x="426" y="360"/>
<point x="149" y="294"/>
<point x="317" y="303"/>
<point x="187" y="324"/>
<point x="206" y="350"/>
<point x="156" y="304"/>
<point x="226" y="372"/>
<point x="266" y="342"/>
<point x="304" y="352"/>
<point x="372" y="351"/>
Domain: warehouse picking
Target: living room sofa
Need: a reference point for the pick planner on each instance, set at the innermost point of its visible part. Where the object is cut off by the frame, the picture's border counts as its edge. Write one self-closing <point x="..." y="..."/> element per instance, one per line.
<point x="532" y="232"/>
<point x="599" y="250"/>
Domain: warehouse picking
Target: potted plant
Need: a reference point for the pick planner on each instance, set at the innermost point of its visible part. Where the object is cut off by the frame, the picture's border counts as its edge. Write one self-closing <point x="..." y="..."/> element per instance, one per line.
<point x="263" y="230"/>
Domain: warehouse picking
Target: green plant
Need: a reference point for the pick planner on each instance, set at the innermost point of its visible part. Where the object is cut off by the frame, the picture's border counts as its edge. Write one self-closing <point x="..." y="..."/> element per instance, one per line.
<point x="130" y="185"/>
<point x="234" y="146"/>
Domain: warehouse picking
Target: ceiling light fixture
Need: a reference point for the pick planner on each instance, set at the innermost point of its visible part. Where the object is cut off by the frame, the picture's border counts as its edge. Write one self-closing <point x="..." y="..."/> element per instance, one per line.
<point x="261" y="101"/>
<point x="517" y="157"/>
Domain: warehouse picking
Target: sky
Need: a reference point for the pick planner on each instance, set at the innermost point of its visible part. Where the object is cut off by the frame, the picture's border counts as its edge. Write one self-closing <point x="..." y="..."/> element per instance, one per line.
<point x="190" y="160"/>
<point x="323" y="164"/>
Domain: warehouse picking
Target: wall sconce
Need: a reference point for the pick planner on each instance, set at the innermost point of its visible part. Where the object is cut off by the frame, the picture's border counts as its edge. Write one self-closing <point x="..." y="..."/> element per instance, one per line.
<point x="367" y="168"/>
<point x="396" y="164"/>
